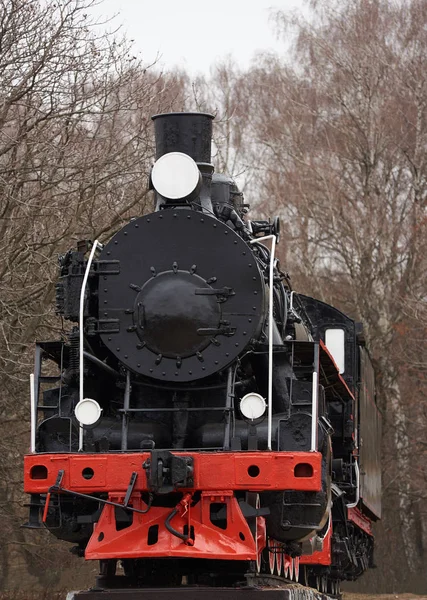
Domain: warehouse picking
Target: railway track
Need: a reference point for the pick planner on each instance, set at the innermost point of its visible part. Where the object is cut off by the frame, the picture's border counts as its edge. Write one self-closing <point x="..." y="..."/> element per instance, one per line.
<point x="258" y="587"/>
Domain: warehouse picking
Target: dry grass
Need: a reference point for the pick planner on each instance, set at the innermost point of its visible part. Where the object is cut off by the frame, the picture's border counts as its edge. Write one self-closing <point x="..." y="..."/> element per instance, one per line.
<point x="35" y="595"/>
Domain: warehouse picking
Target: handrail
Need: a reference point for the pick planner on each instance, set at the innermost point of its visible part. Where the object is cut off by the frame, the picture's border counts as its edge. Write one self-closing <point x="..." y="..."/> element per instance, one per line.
<point x="272" y="238"/>
<point x="81" y="323"/>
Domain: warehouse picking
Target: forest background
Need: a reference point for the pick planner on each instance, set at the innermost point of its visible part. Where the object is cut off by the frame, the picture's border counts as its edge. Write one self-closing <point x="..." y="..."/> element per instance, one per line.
<point x="331" y="136"/>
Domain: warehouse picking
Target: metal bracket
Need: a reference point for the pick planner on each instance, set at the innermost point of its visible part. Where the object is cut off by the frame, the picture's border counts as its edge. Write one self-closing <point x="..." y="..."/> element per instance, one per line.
<point x="166" y="472"/>
<point x="222" y="294"/>
<point x="108" y="267"/>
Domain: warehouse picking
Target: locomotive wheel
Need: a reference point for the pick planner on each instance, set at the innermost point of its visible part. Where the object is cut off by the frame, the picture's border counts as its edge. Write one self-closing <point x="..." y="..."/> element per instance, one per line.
<point x="285" y="566"/>
<point x="253" y="500"/>
<point x="279" y="559"/>
<point x="296" y="568"/>
<point x="291" y="568"/>
<point x="271" y="555"/>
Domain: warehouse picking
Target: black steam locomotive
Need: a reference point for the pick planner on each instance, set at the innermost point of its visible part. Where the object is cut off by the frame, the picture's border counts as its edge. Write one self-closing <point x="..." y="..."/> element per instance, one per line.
<point x="201" y="409"/>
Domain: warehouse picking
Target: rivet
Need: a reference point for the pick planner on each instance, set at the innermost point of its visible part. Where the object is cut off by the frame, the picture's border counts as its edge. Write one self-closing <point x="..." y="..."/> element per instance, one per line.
<point x="236" y="344"/>
<point x="190" y="372"/>
<point x="136" y="225"/>
<point x="235" y="242"/>
<point x="118" y="349"/>
<point x="250" y="320"/>
<point x="188" y="216"/>
<point x="202" y="220"/>
<point x="253" y="278"/>
<point x="105" y="314"/>
<point x="116" y="242"/>
<point x="138" y="365"/>
<point x="163" y="373"/>
<point x="216" y="362"/>
<point x="176" y="372"/>
<point x="214" y="224"/>
<point x="203" y="368"/>
<point x="151" y="370"/>
<point x="174" y="216"/>
<point x="255" y="293"/>
<point x="226" y="232"/>
<point x="254" y="308"/>
<point x="244" y="253"/>
<point x="227" y="354"/>
<point x="250" y="265"/>
<point x="108" y="253"/>
<point x="126" y="356"/>
<point x="245" y="333"/>
<point x="109" y="339"/>
<point x="148" y="220"/>
<point x="105" y="302"/>
<point x="105" y="279"/>
<point x="125" y="233"/>
<point x="160" y="216"/>
<point x="105" y="290"/>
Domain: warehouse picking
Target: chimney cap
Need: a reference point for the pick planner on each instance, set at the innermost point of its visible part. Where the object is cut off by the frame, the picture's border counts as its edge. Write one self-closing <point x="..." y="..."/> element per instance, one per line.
<point x="183" y="114"/>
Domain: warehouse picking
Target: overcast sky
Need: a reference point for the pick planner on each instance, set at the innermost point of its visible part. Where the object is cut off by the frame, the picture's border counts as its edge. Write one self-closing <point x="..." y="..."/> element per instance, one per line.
<point x="193" y="34"/>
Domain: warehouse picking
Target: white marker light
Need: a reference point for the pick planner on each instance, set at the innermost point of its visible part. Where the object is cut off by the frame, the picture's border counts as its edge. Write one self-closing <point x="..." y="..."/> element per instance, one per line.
<point x="87" y="412"/>
<point x="175" y="175"/>
<point x="252" y="406"/>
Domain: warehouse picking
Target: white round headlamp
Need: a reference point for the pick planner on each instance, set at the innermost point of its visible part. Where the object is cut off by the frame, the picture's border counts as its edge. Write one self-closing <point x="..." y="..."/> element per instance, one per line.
<point x="175" y="176"/>
<point x="252" y="406"/>
<point x="88" y="412"/>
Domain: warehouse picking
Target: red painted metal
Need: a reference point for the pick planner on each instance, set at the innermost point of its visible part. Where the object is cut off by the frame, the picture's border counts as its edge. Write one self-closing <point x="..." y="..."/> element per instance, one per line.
<point x="358" y="518"/>
<point x="212" y="471"/>
<point x="235" y="542"/>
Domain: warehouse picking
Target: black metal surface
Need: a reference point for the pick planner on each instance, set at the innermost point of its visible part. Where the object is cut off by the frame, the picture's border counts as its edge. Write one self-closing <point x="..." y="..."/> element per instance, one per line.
<point x="185" y="310"/>
<point x="190" y="133"/>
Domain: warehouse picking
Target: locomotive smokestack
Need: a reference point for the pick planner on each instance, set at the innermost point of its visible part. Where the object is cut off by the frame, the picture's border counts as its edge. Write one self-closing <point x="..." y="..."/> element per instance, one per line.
<point x="191" y="134"/>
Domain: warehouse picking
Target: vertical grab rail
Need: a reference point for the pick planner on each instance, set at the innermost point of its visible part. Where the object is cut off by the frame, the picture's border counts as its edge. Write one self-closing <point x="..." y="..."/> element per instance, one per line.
<point x="229" y="403"/>
<point x="81" y="319"/>
<point x="33" y="414"/>
<point x="315" y="399"/>
<point x="272" y="238"/>
<point x="125" y="417"/>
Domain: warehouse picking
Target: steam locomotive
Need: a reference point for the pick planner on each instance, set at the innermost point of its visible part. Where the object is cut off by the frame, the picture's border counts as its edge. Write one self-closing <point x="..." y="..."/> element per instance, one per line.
<point x="200" y="422"/>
